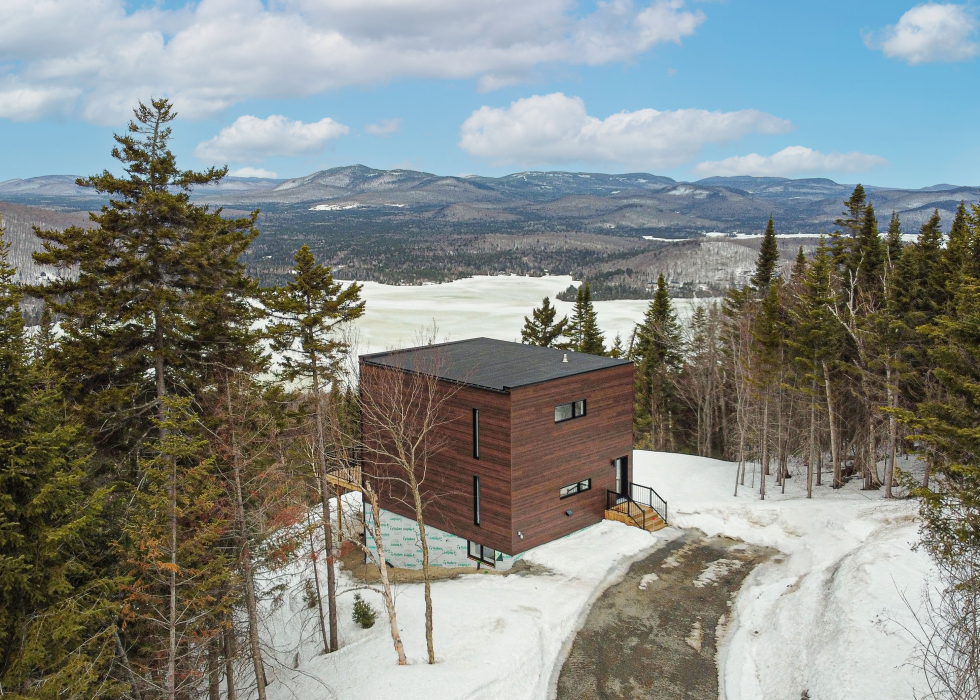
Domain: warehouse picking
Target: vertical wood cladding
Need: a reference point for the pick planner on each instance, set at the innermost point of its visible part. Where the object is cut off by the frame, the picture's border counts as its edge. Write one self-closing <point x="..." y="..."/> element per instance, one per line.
<point x="525" y="458"/>
<point x="448" y="485"/>
<point x="548" y="455"/>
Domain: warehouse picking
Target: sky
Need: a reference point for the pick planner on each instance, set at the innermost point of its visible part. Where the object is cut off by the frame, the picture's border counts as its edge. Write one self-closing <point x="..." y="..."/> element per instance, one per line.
<point x="877" y="92"/>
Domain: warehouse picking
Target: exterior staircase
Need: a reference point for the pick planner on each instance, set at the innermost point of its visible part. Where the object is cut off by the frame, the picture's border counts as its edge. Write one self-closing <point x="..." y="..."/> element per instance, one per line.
<point x="642" y="508"/>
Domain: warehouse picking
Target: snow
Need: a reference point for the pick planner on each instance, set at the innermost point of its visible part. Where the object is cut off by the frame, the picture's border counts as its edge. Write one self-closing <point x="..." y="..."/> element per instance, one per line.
<point x="487" y="306"/>
<point x="495" y="636"/>
<point x="825" y="615"/>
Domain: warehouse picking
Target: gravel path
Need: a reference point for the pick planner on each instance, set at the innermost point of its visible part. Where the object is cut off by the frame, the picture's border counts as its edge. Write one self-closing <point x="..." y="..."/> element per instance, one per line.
<point x="655" y="634"/>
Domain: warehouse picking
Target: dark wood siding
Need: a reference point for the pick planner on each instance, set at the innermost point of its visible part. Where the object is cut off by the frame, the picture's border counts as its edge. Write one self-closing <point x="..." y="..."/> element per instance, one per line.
<point x="546" y="455"/>
<point x="448" y="484"/>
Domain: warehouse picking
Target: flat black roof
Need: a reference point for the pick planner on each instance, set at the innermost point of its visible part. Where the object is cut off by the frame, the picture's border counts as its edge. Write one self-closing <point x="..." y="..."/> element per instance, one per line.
<point x="492" y="364"/>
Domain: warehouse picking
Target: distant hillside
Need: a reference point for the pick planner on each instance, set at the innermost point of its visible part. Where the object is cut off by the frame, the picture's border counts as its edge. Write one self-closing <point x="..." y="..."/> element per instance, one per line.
<point x="410" y="226"/>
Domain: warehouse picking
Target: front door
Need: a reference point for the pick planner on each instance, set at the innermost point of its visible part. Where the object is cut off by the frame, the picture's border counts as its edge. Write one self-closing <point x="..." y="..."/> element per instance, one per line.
<point x="622" y="475"/>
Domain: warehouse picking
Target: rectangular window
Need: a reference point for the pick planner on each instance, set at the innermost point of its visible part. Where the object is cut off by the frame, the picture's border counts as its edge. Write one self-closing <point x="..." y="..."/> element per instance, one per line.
<point x="476" y="500"/>
<point x="476" y="433"/>
<point x="572" y="489"/>
<point x="567" y="411"/>
<point x="481" y="553"/>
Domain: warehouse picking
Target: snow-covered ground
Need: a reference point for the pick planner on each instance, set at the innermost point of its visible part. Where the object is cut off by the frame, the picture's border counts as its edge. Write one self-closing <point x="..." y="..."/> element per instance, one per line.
<point x="496" y="637"/>
<point x="490" y="306"/>
<point x="827" y="614"/>
<point x="824" y="615"/>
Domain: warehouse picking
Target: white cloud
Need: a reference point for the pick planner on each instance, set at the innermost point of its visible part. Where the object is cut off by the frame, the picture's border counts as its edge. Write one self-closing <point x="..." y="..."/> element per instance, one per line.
<point x="551" y="129"/>
<point x="928" y="33"/>
<point x="251" y="138"/>
<point x="211" y="54"/>
<point x="252" y="172"/>
<point x="385" y="127"/>
<point x="789" y="162"/>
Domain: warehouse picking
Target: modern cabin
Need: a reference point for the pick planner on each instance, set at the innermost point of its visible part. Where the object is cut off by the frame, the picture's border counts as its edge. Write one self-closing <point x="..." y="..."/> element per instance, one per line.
<point x="532" y="444"/>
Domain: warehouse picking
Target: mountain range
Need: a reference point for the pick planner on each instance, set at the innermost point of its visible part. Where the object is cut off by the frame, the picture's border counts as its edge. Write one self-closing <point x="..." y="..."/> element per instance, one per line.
<point x="410" y="226"/>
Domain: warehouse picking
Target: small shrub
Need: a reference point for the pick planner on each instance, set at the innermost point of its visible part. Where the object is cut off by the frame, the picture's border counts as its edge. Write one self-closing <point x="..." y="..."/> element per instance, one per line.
<point x="309" y="593"/>
<point x="364" y="614"/>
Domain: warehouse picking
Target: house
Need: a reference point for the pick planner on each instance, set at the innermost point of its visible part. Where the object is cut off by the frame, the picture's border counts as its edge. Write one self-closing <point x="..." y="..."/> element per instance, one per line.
<point x="531" y="444"/>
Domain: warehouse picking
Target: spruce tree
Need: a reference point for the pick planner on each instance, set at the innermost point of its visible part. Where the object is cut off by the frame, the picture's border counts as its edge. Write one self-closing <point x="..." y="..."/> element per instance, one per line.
<point x="868" y="256"/>
<point x="657" y="353"/>
<point x="586" y="336"/>
<point x="541" y="328"/>
<point x="57" y="616"/>
<point x="894" y="243"/>
<point x="307" y="312"/>
<point x="767" y="264"/>
<point x="160" y="293"/>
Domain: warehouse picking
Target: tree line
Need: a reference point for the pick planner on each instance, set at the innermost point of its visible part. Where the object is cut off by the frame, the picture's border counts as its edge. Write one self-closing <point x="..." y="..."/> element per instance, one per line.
<point x="835" y="366"/>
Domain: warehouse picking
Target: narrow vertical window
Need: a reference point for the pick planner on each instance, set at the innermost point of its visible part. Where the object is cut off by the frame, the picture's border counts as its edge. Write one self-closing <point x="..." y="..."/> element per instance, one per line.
<point x="476" y="433"/>
<point x="476" y="500"/>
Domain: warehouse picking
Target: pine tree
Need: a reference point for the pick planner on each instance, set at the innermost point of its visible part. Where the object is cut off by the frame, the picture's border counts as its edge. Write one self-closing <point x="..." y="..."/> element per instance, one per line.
<point x="541" y="329"/>
<point x="767" y="264"/>
<point x="586" y="336"/>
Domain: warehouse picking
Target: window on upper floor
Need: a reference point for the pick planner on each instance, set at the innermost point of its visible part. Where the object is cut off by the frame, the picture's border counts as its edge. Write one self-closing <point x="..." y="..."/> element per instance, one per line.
<point x="476" y="433"/>
<point x="567" y="411"/>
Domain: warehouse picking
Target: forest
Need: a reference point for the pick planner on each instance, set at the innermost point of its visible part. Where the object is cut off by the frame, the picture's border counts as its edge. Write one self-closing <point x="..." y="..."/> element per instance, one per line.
<point x="155" y="458"/>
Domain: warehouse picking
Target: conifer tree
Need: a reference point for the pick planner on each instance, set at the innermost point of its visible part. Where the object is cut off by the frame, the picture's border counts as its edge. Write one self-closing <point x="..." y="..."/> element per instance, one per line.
<point x="657" y="353"/>
<point x="893" y="242"/>
<point x="57" y="616"/>
<point x="767" y="332"/>
<point x="767" y="264"/>
<point x="586" y="336"/>
<point x="307" y="312"/>
<point x="160" y="292"/>
<point x="179" y="579"/>
<point x="868" y="255"/>
<point x="541" y="329"/>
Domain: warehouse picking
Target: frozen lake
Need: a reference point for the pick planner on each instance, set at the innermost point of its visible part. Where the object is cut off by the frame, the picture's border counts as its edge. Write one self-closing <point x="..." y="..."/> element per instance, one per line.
<point x="488" y="306"/>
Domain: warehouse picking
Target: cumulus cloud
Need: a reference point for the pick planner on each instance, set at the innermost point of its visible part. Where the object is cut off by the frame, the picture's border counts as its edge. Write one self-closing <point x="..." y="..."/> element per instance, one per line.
<point x="789" y="162"/>
<point x="555" y="128"/>
<point x="209" y="54"/>
<point x="252" y="172"/>
<point x="928" y="33"/>
<point x="385" y="127"/>
<point x="251" y="138"/>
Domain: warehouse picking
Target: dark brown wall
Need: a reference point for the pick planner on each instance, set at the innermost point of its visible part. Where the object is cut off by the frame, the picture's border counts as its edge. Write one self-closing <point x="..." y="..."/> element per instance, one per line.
<point x="448" y="486"/>
<point x="546" y="455"/>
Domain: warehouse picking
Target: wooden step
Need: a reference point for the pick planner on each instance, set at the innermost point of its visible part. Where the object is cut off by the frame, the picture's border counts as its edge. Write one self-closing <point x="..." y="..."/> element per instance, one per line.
<point x="653" y="521"/>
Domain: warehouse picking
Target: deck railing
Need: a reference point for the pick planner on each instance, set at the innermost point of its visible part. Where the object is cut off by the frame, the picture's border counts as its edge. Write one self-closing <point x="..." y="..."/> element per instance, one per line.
<point x="626" y="506"/>
<point x="646" y="496"/>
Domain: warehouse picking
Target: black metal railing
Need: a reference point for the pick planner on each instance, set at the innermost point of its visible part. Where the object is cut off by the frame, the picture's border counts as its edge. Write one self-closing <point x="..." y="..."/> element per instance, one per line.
<point x="646" y="496"/>
<point x="626" y="506"/>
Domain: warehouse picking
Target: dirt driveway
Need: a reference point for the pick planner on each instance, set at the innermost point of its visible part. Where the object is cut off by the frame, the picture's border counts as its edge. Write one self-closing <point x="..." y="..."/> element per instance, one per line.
<point x="655" y="634"/>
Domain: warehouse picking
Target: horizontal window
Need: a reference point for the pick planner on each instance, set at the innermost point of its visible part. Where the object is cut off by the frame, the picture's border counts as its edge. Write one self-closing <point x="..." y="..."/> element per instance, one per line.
<point x="572" y="489"/>
<point x="481" y="553"/>
<point x="567" y="411"/>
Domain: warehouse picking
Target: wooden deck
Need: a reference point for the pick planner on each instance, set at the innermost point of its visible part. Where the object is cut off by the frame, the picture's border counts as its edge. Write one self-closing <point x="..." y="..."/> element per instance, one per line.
<point x="633" y="514"/>
<point x="348" y="479"/>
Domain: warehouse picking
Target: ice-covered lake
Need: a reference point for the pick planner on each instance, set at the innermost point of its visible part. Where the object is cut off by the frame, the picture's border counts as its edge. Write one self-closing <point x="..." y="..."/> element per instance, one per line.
<point x="488" y="306"/>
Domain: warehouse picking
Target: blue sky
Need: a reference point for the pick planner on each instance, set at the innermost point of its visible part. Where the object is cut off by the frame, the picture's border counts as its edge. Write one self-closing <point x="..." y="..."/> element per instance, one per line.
<point x="881" y="92"/>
